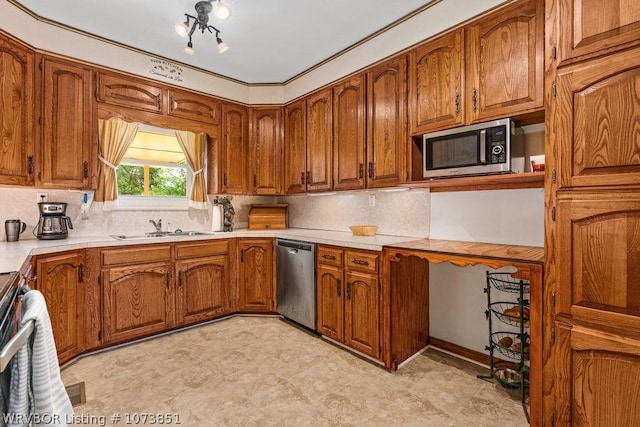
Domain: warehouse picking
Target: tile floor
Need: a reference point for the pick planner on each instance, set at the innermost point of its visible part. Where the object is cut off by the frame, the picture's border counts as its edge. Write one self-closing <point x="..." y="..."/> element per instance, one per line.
<point x="254" y="371"/>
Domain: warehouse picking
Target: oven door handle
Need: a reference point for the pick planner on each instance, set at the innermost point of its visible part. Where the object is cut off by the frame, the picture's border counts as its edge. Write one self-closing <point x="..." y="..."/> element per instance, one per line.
<point x="483" y="147"/>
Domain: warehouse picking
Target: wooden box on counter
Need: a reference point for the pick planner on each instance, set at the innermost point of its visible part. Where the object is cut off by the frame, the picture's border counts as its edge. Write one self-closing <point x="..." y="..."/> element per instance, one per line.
<point x="271" y="216"/>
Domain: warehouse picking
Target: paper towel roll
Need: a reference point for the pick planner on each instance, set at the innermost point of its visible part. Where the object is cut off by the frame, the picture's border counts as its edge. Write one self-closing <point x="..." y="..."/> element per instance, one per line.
<point x="217" y="222"/>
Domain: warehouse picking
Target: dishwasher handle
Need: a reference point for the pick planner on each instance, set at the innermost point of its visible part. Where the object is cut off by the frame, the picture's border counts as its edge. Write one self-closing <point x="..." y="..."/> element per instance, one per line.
<point x="292" y="251"/>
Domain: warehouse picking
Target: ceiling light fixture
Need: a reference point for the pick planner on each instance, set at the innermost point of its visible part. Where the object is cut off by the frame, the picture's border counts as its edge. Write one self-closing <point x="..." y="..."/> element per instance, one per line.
<point x="203" y="9"/>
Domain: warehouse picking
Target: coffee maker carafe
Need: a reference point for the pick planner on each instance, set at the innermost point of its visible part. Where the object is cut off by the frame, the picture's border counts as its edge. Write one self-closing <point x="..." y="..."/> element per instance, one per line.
<point x="54" y="223"/>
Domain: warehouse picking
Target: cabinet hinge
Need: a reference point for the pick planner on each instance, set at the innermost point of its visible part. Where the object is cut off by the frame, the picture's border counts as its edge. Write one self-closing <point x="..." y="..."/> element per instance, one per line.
<point x="554" y="90"/>
<point x="81" y="273"/>
<point x="85" y="169"/>
<point x="553" y="298"/>
<point x="241" y="255"/>
<point x="554" y="52"/>
<point x="99" y="335"/>
<point x="40" y="65"/>
<point x="40" y="121"/>
<point x="371" y="169"/>
<point x="100" y="280"/>
<point x="553" y="335"/>
<point x="553" y="213"/>
<point x="553" y="175"/>
<point x="553" y="419"/>
<point x="30" y="165"/>
<point x="224" y="179"/>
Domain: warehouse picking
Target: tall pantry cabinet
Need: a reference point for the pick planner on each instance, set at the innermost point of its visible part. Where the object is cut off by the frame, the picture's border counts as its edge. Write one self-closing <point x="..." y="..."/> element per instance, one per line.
<point x="592" y="186"/>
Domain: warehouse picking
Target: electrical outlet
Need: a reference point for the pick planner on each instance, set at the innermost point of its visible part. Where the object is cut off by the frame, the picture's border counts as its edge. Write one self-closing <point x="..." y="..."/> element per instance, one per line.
<point x="372" y="200"/>
<point x="42" y="197"/>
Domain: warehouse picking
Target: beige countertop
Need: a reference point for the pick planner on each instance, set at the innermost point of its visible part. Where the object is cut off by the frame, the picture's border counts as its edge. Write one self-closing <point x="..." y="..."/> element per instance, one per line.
<point x="14" y="254"/>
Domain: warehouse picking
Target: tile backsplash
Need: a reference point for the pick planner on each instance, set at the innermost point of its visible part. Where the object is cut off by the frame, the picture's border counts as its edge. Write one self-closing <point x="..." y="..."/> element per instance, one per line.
<point x="402" y="213"/>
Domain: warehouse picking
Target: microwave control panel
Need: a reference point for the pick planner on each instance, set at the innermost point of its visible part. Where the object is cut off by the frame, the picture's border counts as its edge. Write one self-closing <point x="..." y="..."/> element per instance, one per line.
<point x="497" y="144"/>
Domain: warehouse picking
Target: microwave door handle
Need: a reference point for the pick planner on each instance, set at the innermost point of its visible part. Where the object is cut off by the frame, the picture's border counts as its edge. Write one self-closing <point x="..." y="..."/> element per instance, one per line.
<point x="483" y="147"/>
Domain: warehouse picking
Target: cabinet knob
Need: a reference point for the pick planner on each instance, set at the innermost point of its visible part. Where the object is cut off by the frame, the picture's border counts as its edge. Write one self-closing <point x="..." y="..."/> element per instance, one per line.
<point x="30" y="165"/>
<point x="85" y="169"/>
<point x="302" y="178"/>
<point x="348" y="290"/>
<point x="339" y="287"/>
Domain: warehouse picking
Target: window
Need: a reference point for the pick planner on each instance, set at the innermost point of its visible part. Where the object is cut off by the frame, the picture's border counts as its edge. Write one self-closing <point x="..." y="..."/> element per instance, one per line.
<point x="154" y="171"/>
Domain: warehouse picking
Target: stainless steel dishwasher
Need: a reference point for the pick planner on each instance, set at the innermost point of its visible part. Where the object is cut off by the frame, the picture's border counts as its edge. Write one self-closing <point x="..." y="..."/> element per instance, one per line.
<point x="296" y="277"/>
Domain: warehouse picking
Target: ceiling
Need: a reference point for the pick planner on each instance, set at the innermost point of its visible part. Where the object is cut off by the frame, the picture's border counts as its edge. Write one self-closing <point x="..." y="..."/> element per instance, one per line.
<point x="269" y="41"/>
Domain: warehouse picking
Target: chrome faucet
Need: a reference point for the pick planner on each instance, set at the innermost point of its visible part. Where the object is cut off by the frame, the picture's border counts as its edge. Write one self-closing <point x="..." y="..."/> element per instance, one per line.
<point x="157" y="225"/>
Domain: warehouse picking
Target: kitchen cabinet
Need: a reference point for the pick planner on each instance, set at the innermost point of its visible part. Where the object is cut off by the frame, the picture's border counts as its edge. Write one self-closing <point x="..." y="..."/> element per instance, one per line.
<point x="138" y="292"/>
<point x="60" y="278"/>
<point x="436" y="84"/>
<point x="203" y="281"/>
<point x="131" y="92"/>
<point x="504" y="62"/>
<point x="387" y="141"/>
<point x="16" y="113"/>
<point x="318" y="176"/>
<point x="191" y="106"/>
<point x="265" y="150"/>
<point x="233" y="159"/>
<point x="256" y="275"/>
<point x="592" y="325"/>
<point x="489" y="69"/>
<point x="349" y="134"/>
<point x="295" y="147"/>
<point x="68" y="135"/>
<point x="348" y="298"/>
<point x="592" y="28"/>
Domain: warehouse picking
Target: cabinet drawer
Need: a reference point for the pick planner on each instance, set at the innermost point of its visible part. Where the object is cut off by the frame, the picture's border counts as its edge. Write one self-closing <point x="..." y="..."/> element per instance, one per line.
<point x="330" y="256"/>
<point x="361" y="261"/>
<point x="136" y="255"/>
<point x="201" y="249"/>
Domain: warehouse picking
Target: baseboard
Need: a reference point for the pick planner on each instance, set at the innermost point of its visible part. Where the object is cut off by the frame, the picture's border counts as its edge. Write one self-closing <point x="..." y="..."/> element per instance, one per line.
<point x="464" y="352"/>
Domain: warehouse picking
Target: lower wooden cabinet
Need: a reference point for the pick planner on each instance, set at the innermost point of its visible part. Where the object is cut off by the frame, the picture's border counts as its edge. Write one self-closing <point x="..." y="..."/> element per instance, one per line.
<point x="202" y="289"/>
<point x="256" y="275"/>
<point x="348" y="298"/>
<point x="138" y="300"/>
<point x="60" y="278"/>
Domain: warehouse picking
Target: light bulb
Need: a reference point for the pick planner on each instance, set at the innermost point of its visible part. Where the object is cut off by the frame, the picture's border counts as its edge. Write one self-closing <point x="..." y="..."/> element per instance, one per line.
<point x="222" y="10"/>
<point x="182" y="29"/>
<point x="189" y="49"/>
<point x="222" y="47"/>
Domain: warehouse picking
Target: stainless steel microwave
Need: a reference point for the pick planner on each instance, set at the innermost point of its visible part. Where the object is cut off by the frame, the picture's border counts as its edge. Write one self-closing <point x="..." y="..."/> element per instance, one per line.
<point x="481" y="148"/>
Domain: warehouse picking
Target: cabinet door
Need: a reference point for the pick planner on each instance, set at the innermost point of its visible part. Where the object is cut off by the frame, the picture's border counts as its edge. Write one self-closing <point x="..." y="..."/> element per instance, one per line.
<point x="16" y="113"/>
<point x="295" y="147"/>
<point x="265" y="157"/>
<point x="256" y="275"/>
<point x="349" y="134"/>
<point x="594" y="121"/>
<point x="319" y="141"/>
<point x="60" y="279"/>
<point x="138" y="301"/>
<point x="235" y="126"/>
<point x="202" y="291"/>
<point x="595" y="27"/>
<point x="598" y="302"/>
<point x="192" y="106"/>
<point x="68" y="136"/>
<point x="125" y="91"/>
<point x="330" y="302"/>
<point x="362" y="328"/>
<point x="435" y="84"/>
<point x="387" y="123"/>
<point x="504" y="62"/>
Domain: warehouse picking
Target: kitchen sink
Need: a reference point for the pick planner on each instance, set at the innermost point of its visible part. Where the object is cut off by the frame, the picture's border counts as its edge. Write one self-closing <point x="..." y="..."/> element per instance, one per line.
<point x="159" y="234"/>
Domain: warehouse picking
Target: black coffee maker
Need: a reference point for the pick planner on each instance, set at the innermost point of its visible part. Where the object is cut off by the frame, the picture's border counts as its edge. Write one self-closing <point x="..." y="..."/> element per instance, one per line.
<point x="54" y="223"/>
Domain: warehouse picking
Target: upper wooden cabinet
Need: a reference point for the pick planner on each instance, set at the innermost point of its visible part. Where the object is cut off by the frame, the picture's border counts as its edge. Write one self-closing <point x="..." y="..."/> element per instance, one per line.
<point x="593" y="27"/>
<point x="387" y="123"/>
<point x="265" y="150"/>
<point x="435" y="83"/>
<point x="592" y="119"/>
<point x="16" y="113"/>
<point x="504" y="62"/>
<point x="318" y="176"/>
<point x="349" y="134"/>
<point x="233" y="159"/>
<point x="489" y="69"/>
<point x="295" y="147"/>
<point x="192" y="106"/>
<point x="68" y="138"/>
<point x="125" y="91"/>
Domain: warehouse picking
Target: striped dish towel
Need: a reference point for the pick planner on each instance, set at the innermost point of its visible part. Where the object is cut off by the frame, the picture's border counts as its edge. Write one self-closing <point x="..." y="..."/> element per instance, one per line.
<point x="36" y="391"/>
